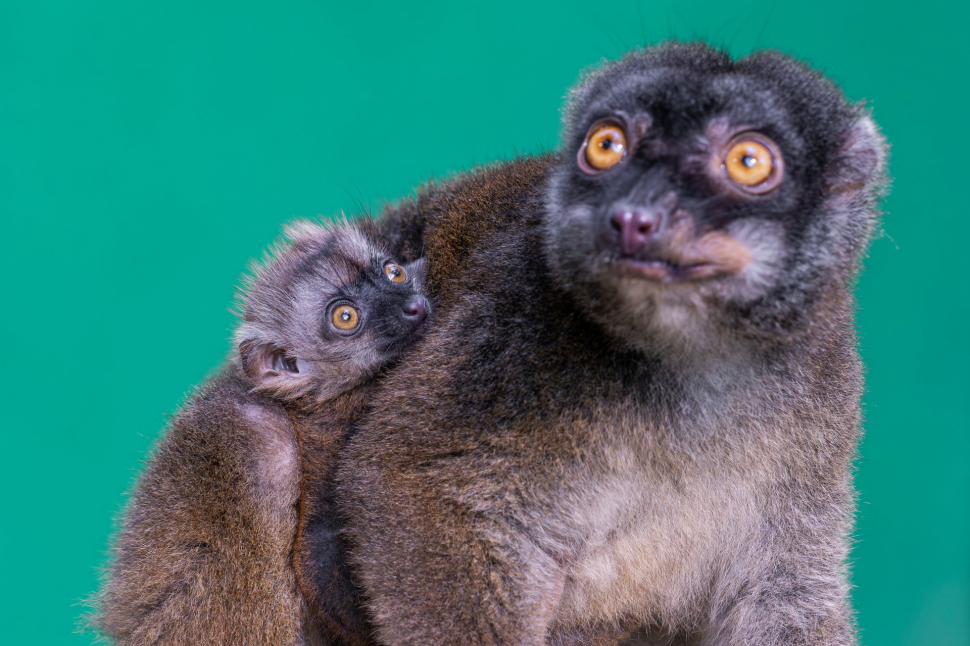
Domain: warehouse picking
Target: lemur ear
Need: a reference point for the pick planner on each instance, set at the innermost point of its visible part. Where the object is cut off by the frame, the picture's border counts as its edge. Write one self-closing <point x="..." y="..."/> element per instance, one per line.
<point x="278" y="361"/>
<point x="264" y="360"/>
<point x="860" y="163"/>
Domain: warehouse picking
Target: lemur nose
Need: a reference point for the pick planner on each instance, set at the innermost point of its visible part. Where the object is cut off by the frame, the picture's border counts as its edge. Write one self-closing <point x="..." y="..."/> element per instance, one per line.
<point x="416" y="310"/>
<point x="633" y="227"/>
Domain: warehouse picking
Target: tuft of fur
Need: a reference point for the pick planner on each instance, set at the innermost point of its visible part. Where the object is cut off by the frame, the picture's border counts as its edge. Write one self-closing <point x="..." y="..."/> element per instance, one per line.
<point x="212" y="546"/>
<point x="572" y="452"/>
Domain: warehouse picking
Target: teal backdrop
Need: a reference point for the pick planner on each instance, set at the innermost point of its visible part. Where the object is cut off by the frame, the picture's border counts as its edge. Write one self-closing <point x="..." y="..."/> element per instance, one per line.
<point x="149" y="149"/>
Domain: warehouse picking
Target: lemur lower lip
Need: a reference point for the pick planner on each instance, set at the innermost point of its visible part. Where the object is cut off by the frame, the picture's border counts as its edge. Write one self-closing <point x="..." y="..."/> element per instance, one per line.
<point x="665" y="271"/>
<point x="678" y="256"/>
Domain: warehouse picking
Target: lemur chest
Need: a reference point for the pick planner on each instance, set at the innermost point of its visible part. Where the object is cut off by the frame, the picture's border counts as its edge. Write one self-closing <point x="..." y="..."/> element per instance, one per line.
<point x="652" y="542"/>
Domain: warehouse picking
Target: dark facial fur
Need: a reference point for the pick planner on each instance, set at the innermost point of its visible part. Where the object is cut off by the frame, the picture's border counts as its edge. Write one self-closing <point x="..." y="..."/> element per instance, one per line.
<point x="603" y="433"/>
<point x="205" y="553"/>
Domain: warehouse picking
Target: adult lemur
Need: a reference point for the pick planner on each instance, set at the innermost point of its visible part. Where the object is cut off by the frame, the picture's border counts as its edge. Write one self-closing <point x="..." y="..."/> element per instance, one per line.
<point x="639" y="401"/>
<point x="206" y="554"/>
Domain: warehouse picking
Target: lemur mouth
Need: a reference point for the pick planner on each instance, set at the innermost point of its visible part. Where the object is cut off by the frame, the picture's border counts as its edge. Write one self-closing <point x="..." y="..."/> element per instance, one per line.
<point x="665" y="271"/>
<point x="676" y="255"/>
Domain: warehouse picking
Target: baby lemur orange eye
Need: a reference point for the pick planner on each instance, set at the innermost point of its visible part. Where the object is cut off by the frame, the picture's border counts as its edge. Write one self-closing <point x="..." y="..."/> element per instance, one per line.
<point x="345" y="318"/>
<point x="395" y="272"/>
<point x="605" y="146"/>
<point x="754" y="163"/>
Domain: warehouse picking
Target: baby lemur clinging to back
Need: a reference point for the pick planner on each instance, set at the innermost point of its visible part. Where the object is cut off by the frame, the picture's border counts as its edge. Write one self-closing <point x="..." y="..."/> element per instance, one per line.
<point x="206" y="553"/>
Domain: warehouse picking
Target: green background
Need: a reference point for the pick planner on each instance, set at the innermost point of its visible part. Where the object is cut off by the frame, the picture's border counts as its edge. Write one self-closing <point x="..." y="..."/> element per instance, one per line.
<point x="148" y="149"/>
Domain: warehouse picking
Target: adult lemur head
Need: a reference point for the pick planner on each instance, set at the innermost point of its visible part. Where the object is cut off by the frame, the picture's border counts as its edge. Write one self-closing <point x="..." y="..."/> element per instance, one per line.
<point x="702" y="202"/>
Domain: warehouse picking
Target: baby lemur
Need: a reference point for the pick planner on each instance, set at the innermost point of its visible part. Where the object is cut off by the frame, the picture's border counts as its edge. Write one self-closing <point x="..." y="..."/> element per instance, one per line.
<point x="206" y="553"/>
<point x="640" y="399"/>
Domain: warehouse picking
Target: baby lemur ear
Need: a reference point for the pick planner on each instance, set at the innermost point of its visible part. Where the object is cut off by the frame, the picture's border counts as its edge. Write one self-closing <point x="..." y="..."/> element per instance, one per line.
<point x="265" y="360"/>
<point x="275" y="361"/>
<point x="860" y="163"/>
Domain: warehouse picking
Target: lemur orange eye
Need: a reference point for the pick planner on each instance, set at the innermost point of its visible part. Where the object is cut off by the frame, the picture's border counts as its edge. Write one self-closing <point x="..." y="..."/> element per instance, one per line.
<point x="395" y="272"/>
<point x="753" y="163"/>
<point x="345" y="318"/>
<point x="605" y="146"/>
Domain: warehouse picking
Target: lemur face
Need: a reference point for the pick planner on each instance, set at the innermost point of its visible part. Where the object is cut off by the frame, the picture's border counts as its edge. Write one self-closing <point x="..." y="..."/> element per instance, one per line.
<point x="327" y="312"/>
<point x="689" y="182"/>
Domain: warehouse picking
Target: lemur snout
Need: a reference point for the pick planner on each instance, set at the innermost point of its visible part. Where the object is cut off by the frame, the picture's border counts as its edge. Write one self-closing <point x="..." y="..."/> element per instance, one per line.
<point x="634" y="227"/>
<point x="416" y="310"/>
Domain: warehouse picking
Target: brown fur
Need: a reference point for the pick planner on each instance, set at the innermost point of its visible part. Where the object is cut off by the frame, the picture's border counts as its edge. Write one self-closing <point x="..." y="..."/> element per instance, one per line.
<point x="204" y="556"/>
<point x="322" y="571"/>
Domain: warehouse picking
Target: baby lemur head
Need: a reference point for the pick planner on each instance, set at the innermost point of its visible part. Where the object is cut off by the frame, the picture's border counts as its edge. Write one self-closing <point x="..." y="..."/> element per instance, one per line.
<point x="325" y="311"/>
<point x="694" y="190"/>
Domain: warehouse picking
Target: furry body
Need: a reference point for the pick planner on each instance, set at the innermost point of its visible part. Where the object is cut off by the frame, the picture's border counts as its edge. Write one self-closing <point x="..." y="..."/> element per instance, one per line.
<point x="203" y="557"/>
<point x="571" y="448"/>
<point x="213" y="547"/>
